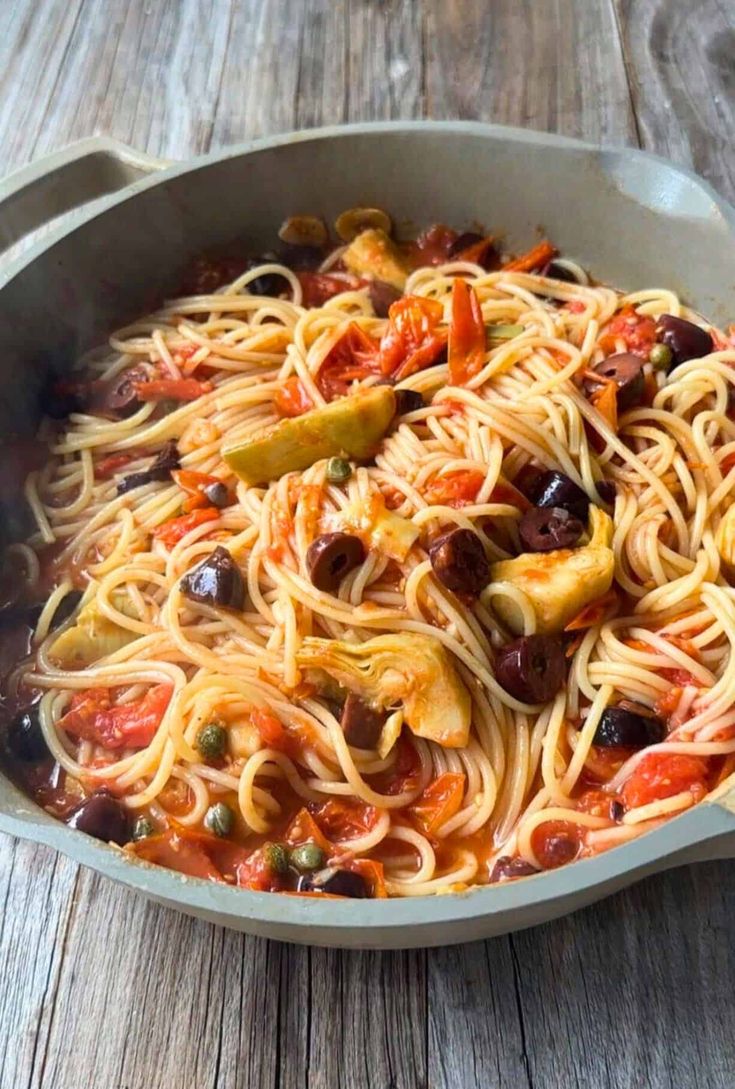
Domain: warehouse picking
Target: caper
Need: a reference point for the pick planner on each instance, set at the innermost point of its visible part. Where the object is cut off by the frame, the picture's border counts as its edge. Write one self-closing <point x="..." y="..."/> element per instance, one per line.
<point x="660" y="356"/>
<point x="219" y="819"/>
<point x="142" y="828"/>
<point x="338" y="470"/>
<point x="307" y="857"/>
<point x="276" y="856"/>
<point x="211" y="741"/>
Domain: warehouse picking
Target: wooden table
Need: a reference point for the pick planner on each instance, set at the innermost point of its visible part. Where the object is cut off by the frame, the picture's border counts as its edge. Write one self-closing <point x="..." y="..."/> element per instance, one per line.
<point x="100" y="989"/>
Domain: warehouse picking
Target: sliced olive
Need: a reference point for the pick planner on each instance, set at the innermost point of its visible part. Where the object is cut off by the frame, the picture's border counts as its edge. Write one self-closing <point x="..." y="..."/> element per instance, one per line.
<point x="143" y="827"/>
<point x="626" y="371"/>
<point x="507" y="869"/>
<point x="103" y="817"/>
<point x="408" y="400"/>
<point x="122" y="397"/>
<point x="217" y="494"/>
<point x="532" y="668"/>
<point x="459" y="561"/>
<point x="215" y="581"/>
<point x="544" y="529"/>
<point x="336" y="883"/>
<point x="219" y="819"/>
<point x="685" y="339"/>
<point x="332" y="556"/>
<point x="360" y="723"/>
<point x="338" y="470"/>
<point x="553" y="489"/>
<point x="632" y="729"/>
<point x="304" y="231"/>
<point x="166" y="462"/>
<point x="556" y="271"/>
<point x="356" y="220"/>
<point x="24" y="737"/>
<point x="382" y="296"/>
<point x="276" y="857"/>
<point x="211" y="741"/>
<point x="307" y="857"/>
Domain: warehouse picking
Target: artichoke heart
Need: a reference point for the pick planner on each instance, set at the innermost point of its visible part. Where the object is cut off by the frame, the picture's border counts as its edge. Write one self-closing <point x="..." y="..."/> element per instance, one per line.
<point x="386" y="532"/>
<point x="557" y="584"/>
<point x="725" y="536"/>
<point x="376" y="255"/>
<point x="352" y="426"/>
<point x="93" y="635"/>
<point x="414" y="671"/>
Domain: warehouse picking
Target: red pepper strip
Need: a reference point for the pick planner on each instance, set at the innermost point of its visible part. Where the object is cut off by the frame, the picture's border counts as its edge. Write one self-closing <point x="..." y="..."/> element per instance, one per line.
<point x="172" y="389"/>
<point x="535" y="258"/>
<point x="171" y="532"/>
<point x="93" y="717"/>
<point x="466" y="334"/>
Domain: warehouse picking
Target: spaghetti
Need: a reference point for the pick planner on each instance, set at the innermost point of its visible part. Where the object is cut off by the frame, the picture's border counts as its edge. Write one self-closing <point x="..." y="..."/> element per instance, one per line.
<point x="213" y="720"/>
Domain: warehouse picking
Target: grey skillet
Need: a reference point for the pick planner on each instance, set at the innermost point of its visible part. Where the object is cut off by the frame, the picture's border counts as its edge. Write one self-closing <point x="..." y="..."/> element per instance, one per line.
<point x="633" y="219"/>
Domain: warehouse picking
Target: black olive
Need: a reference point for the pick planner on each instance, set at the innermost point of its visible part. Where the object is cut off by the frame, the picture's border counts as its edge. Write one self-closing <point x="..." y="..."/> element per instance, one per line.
<point x="628" y="728"/>
<point x="408" y="400"/>
<point x="301" y="258"/>
<point x="382" y="296"/>
<point x="685" y="339"/>
<point x="24" y="737"/>
<point x="532" y="668"/>
<point x="122" y="398"/>
<point x="555" y="271"/>
<point x="215" y="581"/>
<point x="103" y="817"/>
<point x="217" y="494"/>
<point x="463" y="242"/>
<point x="507" y="869"/>
<point x="335" y="882"/>
<point x="361" y="724"/>
<point x="544" y="529"/>
<point x="270" y="283"/>
<point x="332" y="556"/>
<point x="66" y="608"/>
<point x="626" y="371"/>
<point x="459" y="561"/>
<point x="166" y="462"/>
<point x="606" y="491"/>
<point x="553" y="489"/>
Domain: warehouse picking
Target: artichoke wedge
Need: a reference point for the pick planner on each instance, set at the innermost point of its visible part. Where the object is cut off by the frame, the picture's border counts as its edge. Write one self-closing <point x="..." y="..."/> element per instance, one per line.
<point x="557" y="584"/>
<point x="406" y="669"/>
<point x="93" y="635"/>
<point x="376" y="255"/>
<point x="352" y="427"/>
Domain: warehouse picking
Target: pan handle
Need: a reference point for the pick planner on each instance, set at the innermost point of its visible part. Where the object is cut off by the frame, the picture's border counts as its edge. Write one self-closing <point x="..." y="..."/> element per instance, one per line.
<point x="66" y="179"/>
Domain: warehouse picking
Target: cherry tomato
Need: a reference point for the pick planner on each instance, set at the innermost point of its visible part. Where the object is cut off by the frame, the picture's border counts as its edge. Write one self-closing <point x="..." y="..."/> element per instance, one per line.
<point x="661" y="775"/>
<point x="172" y="389"/>
<point x="93" y="717"/>
<point x="291" y="399"/>
<point x="456" y="489"/>
<point x="171" y="532"/>
<point x="466" y="334"/>
<point x="637" y="331"/>
<point x="439" y="801"/>
<point x="353" y="358"/>
<point x="413" y="340"/>
<point x="339" y="819"/>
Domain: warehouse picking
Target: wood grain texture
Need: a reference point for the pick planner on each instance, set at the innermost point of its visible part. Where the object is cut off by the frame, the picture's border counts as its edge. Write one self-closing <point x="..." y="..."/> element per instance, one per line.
<point x="100" y="988"/>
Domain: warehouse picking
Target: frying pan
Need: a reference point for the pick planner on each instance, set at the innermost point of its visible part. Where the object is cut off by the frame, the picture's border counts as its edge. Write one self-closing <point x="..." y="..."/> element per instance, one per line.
<point x="632" y="219"/>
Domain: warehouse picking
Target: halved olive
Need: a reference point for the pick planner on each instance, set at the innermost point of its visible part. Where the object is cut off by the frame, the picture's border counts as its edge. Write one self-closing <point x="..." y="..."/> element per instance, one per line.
<point x="459" y="561"/>
<point x="215" y="581"/>
<point x="103" y="817"/>
<point x="304" y="231"/>
<point x="632" y="729"/>
<point x="408" y="400"/>
<point x="24" y="737"/>
<point x="685" y="339"/>
<point x="332" y="556"/>
<point x="335" y="882"/>
<point x="356" y="220"/>
<point x="626" y="371"/>
<point x="360" y="723"/>
<point x="217" y="494"/>
<point x="382" y="296"/>
<point x="532" y="668"/>
<point x="544" y="529"/>
<point x="507" y="869"/>
<point x="554" y="489"/>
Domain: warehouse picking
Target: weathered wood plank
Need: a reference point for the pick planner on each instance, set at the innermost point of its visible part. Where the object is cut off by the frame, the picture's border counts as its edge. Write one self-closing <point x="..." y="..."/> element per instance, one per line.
<point x="682" y="76"/>
<point x="552" y="66"/>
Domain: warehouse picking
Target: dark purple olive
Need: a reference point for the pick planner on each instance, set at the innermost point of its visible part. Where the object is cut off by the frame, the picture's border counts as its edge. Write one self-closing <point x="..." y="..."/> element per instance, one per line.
<point x="66" y="608"/>
<point x="626" y="371"/>
<point x="606" y="491"/>
<point x="382" y="296"/>
<point x="217" y="494"/>
<point x="165" y="463"/>
<point x="361" y="724"/>
<point x="270" y="283"/>
<point x="408" y="400"/>
<point x="544" y="529"/>
<point x="507" y="869"/>
<point x="103" y="817"/>
<point x="617" y="810"/>
<point x="336" y="883"/>
<point x="24" y="737"/>
<point x="632" y="729"/>
<point x="332" y="556"/>
<point x="122" y="397"/>
<point x="553" y="489"/>
<point x="459" y="561"/>
<point x="463" y="242"/>
<point x="685" y="339"/>
<point x="532" y="668"/>
<point x="555" y="271"/>
<point x="215" y="581"/>
<point x="301" y="258"/>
